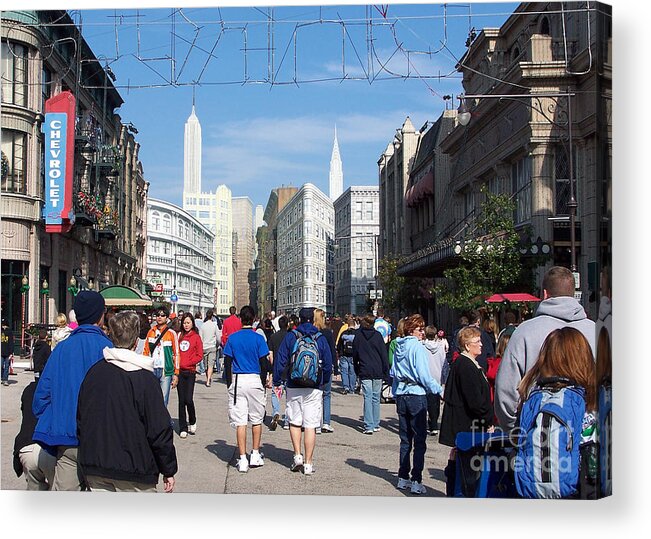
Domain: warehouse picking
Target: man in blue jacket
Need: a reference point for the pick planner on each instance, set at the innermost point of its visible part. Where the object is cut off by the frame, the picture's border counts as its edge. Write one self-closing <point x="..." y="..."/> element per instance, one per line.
<point x="304" y="404"/>
<point x="55" y="399"/>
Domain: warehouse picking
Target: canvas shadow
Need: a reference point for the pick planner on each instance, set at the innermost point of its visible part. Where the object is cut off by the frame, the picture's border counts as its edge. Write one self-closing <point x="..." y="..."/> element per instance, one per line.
<point x="388" y="476"/>
<point x="224" y="451"/>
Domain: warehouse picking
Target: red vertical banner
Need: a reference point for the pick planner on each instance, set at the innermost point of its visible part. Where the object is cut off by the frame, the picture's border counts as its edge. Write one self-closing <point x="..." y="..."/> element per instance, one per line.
<point x="59" y="151"/>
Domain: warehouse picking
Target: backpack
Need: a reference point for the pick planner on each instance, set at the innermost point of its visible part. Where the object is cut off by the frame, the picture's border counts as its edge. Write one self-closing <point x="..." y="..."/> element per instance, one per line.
<point x="547" y="461"/>
<point x="347" y="342"/>
<point x="305" y="360"/>
<point x="605" y="440"/>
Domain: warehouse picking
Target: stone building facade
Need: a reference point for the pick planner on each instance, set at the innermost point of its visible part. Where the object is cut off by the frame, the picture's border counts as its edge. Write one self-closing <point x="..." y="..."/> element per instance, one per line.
<point x="305" y="248"/>
<point x="357" y="227"/>
<point x="180" y="256"/>
<point x="43" y="56"/>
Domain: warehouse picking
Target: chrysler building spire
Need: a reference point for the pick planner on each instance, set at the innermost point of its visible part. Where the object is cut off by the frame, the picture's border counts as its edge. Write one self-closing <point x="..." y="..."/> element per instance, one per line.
<point x="336" y="172"/>
<point x="192" y="154"/>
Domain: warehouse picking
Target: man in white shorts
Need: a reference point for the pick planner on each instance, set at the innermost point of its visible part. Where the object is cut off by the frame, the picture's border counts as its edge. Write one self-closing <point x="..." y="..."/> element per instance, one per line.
<point x="246" y="364"/>
<point x="304" y="404"/>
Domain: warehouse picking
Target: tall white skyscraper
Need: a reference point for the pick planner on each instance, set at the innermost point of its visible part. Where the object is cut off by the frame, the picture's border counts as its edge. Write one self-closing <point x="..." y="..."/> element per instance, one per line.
<point x="213" y="210"/>
<point x="192" y="155"/>
<point x="336" y="172"/>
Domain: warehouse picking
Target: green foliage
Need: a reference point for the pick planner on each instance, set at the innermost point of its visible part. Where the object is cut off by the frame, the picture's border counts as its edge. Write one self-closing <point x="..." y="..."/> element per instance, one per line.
<point x="400" y="294"/>
<point x="392" y="284"/>
<point x="490" y="260"/>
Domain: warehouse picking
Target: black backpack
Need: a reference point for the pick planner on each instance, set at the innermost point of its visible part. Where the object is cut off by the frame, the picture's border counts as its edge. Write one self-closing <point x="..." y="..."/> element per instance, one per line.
<point x="347" y="343"/>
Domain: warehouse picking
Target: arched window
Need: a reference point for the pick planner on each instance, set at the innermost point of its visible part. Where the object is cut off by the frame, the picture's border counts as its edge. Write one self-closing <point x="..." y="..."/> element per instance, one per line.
<point x="155" y="220"/>
<point x="167" y="224"/>
<point x="544" y="26"/>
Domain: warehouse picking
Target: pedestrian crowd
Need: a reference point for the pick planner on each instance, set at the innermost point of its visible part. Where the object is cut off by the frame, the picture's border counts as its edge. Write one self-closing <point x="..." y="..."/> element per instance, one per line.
<point x="96" y="417"/>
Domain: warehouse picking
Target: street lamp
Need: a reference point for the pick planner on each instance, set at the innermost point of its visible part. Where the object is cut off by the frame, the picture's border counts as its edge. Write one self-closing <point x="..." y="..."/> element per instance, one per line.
<point x="464" y="116"/>
<point x="45" y="291"/>
<point x="23" y="315"/>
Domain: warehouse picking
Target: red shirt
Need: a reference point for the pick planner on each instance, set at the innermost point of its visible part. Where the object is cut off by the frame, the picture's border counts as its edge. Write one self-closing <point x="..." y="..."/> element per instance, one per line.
<point x="230" y="326"/>
<point x="191" y="350"/>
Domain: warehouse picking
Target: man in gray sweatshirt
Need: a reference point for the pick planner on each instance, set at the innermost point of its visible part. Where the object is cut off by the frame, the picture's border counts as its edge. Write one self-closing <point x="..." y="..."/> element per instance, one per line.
<point x="558" y="309"/>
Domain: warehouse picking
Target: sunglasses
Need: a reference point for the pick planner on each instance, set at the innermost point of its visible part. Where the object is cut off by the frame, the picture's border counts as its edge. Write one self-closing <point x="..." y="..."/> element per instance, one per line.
<point x="161" y="313"/>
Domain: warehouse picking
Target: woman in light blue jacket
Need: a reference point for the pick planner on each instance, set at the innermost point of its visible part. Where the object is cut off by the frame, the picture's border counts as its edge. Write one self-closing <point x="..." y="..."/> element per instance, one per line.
<point x="412" y="381"/>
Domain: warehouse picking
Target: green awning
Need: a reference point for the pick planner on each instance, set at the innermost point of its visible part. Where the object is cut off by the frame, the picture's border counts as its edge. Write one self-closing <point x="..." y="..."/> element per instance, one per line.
<point x="124" y="296"/>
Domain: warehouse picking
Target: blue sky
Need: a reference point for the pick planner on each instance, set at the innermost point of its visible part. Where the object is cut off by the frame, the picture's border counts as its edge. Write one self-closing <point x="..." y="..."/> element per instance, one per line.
<point x="257" y="136"/>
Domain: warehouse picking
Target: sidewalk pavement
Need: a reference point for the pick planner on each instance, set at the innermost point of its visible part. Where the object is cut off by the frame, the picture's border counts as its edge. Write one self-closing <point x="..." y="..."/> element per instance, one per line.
<point x="347" y="462"/>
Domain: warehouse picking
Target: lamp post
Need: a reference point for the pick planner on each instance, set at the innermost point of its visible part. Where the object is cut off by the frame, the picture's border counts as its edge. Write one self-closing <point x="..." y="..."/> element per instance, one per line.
<point x="464" y="115"/>
<point x="45" y="291"/>
<point x="23" y="315"/>
<point x="174" y="292"/>
<point x="72" y="287"/>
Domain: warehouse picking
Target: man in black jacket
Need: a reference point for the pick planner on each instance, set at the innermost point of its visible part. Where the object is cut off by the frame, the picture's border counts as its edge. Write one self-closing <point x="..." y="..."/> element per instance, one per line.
<point x="124" y="429"/>
<point x="371" y="363"/>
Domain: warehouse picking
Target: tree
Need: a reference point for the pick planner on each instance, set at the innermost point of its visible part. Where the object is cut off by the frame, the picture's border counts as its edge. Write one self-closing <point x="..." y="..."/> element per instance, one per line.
<point x="399" y="294"/>
<point x="490" y="260"/>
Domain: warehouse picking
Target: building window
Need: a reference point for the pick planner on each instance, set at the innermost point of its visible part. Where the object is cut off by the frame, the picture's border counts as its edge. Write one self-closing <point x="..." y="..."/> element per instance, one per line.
<point x="14" y="74"/>
<point x="46" y="86"/>
<point x="167" y="224"/>
<point x="155" y="220"/>
<point x="14" y="158"/>
<point x="562" y="179"/>
<point x="358" y="211"/>
<point x="358" y="267"/>
<point x="369" y="211"/>
<point x="521" y="179"/>
<point x="369" y="267"/>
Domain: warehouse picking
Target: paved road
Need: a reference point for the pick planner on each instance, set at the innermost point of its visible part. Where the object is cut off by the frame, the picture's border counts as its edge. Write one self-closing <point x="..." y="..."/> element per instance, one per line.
<point x="347" y="462"/>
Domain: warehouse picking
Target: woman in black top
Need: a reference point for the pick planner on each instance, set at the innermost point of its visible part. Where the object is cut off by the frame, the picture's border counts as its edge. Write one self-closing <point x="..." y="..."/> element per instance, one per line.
<point x="467" y="403"/>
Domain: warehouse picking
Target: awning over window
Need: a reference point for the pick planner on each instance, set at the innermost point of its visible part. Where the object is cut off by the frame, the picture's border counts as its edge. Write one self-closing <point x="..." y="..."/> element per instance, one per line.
<point x="421" y="190"/>
<point x="124" y="296"/>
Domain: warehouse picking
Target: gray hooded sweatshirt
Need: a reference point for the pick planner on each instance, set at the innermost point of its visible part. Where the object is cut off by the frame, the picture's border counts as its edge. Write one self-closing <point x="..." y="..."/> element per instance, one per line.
<point x="524" y="347"/>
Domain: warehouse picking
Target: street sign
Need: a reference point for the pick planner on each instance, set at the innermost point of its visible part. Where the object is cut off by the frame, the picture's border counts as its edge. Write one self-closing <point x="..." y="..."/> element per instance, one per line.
<point x="379" y="294"/>
<point x="371" y="294"/>
<point x="174" y="298"/>
<point x="158" y="288"/>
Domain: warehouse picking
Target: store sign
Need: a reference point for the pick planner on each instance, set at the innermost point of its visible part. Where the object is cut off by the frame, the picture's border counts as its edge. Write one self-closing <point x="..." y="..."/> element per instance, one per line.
<point x="59" y="146"/>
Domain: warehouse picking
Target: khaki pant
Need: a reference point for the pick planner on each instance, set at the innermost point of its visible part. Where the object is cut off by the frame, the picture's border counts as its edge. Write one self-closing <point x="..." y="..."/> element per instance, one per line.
<point x="66" y="473"/>
<point x="38" y="467"/>
<point x="105" y="484"/>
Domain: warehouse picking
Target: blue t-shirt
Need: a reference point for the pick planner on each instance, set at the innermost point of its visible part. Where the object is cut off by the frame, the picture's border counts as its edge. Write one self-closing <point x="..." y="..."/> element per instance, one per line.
<point x="246" y="347"/>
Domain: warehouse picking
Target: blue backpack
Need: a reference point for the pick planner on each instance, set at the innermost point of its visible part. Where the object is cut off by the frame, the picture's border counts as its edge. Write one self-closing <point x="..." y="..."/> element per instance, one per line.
<point x="305" y="360"/>
<point x="547" y="461"/>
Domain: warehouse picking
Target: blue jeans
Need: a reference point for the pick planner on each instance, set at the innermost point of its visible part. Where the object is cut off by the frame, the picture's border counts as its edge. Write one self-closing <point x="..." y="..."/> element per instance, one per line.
<point x="348" y="378"/>
<point x="165" y="383"/>
<point x="412" y="421"/>
<point x="6" y="363"/>
<point x="275" y="403"/>
<point x="326" y="388"/>
<point x="371" y="390"/>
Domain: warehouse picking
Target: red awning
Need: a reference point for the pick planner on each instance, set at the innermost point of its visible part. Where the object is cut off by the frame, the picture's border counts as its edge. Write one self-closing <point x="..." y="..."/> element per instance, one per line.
<point x="421" y="190"/>
<point x="513" y="298"/>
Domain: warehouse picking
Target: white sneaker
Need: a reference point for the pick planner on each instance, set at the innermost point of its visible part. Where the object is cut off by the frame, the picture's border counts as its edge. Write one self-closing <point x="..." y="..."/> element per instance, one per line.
<point x="308" y="469"/>
<point x="418" y="488"/>
<point x="183" y="434"/>
<point x="318" y="430"/>
<point x="297" y="465"/>
<point x="242" y="465"/>
<point x="403" y="484"/>
<point x="327" y="428"/>
<point x="192" y="428"/>
<point x="257" y="459"/>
